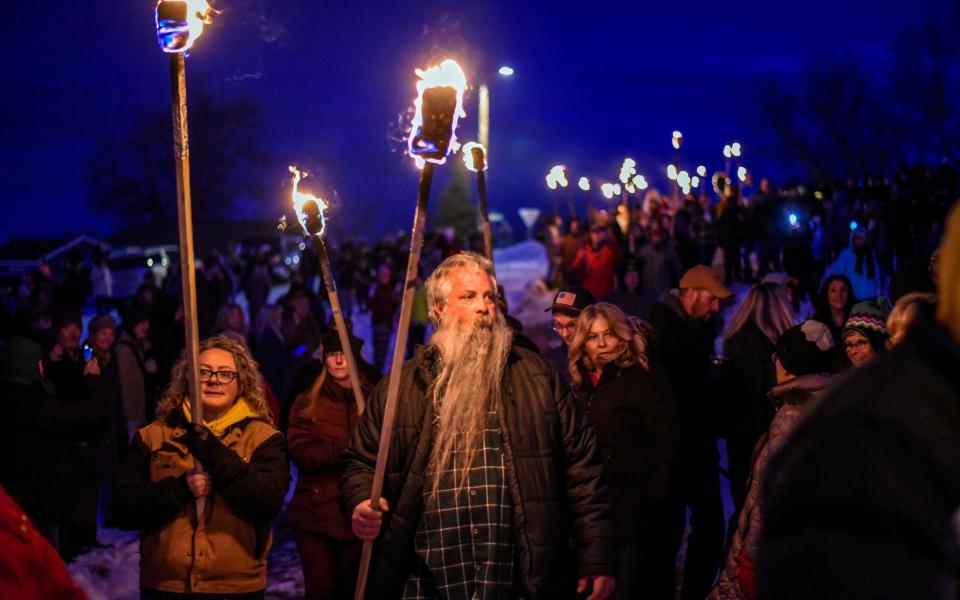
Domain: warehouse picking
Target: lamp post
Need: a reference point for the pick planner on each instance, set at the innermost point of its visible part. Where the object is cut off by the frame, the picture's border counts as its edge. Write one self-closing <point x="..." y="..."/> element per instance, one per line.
<point x="483" y="108"/>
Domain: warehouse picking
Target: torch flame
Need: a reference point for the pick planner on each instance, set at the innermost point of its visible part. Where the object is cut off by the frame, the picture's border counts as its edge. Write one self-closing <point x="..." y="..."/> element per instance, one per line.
<point x="180" y="23"/>
<point x="447" y="74"/>
<point x="308" y="207"/>
<point x="468" y="156"/>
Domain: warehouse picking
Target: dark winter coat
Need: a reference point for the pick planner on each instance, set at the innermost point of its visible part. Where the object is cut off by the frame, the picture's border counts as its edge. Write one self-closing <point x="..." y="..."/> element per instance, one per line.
<point x="35" y="432"/>
<point x="553" y="469"/>
<point x="683" y="348"/>
<point x="749" y="409"/>
<point x="633" y="412"/>
<point x="228" y="555"/>
<point x="861" y="501"/>
<point x="795" y="397"/>
<point x="321" y="426"/>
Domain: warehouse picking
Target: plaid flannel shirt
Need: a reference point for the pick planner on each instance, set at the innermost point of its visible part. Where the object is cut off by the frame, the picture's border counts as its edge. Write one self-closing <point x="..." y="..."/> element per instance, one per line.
<point x="464" y="541"/>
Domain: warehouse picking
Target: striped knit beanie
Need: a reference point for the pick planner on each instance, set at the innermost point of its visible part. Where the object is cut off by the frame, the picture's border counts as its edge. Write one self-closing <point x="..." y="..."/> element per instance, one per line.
<point x="870" y="319"/>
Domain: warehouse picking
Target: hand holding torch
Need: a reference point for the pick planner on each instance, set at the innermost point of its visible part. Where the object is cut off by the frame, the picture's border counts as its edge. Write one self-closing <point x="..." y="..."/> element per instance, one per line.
<point x="179" y="24"/>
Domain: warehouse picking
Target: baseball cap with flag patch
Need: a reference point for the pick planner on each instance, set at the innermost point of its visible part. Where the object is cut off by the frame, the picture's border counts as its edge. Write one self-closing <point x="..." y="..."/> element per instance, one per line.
<point x="571" y="300"/>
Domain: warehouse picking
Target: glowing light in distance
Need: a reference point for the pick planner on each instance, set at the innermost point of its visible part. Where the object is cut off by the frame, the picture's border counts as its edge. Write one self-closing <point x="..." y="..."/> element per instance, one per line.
<point x="607" y="190"/>
<point x="792" y="219"/>
<point x="676" y="139"/>
<point x="671" y="172"/>
<point x="735" y="148"/>
<point x="854" y="225"/>
<point x="727" y="151"/>
<point x="702" y="171"/>
<point x="506" y="71"/>
<point x="695" y="181"/>
<point x="584" y="184"/>
<point x="557" y="177"/>
<point x="742" y="173"/>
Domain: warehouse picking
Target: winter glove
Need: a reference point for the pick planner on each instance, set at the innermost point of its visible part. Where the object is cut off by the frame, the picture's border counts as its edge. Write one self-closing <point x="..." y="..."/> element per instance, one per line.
<point x="222" y="463"/>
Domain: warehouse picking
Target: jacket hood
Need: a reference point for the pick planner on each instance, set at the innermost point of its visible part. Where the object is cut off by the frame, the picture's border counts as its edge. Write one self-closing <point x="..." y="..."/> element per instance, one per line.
<point x="800" y="390"/>
<point x="672" y="301"/>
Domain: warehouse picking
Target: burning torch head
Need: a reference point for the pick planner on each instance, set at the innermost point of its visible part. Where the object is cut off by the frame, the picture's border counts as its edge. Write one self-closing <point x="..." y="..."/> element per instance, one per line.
<point x="475" y="156"/>
<point x="180" y="23"/>
<point x="309" y="208"/>
<point x="439" y="105"/>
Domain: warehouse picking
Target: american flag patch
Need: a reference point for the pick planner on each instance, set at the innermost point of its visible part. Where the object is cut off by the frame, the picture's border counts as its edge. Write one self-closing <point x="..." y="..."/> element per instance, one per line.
<point x="565" y="298"/>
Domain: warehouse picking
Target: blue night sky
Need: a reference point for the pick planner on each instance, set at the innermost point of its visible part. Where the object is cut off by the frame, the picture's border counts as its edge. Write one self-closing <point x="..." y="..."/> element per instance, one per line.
<point x="595" y="82"/>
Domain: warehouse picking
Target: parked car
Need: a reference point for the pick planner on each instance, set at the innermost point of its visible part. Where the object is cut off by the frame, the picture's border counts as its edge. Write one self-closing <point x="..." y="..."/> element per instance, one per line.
<point x="129" y="264"/>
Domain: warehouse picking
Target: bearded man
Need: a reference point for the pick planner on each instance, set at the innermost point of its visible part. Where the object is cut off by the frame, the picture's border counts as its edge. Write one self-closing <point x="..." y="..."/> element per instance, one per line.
<point x="492" y="470"/>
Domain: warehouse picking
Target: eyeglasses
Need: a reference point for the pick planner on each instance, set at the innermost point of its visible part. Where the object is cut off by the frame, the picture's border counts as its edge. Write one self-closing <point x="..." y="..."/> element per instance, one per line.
<point x="220" y="376"/>
<point x="859" y="345"/>
<point x="562" y="328"/>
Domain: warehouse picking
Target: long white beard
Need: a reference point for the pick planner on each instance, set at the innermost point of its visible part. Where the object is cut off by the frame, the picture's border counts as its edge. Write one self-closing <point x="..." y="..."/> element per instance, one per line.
<point x="473" y="360"/>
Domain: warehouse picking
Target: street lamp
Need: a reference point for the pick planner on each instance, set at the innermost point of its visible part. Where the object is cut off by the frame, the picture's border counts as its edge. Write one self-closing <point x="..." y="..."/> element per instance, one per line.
<point x="483" y="109"/>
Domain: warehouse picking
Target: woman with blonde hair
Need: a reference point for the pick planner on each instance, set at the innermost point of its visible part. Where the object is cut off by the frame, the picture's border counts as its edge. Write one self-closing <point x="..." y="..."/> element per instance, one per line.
<point x="243" y="482"/>
<point x="905" y="311"/>
<point x="322" y="422"/>
<point x="630" y="404"/>
<point x="748" y="344"/>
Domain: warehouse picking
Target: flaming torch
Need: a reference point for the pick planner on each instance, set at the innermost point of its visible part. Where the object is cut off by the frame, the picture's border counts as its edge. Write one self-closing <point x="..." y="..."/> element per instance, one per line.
<point x="475" y="157"/>
<point x="439" y="105"/>
<point x="310" y="215"/>
<point x="179" y="24"/>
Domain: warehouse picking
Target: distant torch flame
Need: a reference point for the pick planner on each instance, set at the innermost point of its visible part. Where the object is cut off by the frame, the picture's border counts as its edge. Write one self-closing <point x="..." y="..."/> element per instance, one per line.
<point x="468" y="156"/>
<point x="180" y="23"/>
<point x="439" y="105"/>
<point x="557" y="177"/>
<point x="308" y="207"/>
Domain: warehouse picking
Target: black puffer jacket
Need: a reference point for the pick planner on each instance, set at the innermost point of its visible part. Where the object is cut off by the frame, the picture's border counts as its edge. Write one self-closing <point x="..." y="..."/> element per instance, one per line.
<point x="633" y="412"/>
<point x="861" y="501"/>
<point x="554" y="472"/>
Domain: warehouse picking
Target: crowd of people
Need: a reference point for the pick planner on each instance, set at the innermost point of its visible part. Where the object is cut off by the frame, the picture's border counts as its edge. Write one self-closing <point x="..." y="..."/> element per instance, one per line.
<point x="514" y="471"/>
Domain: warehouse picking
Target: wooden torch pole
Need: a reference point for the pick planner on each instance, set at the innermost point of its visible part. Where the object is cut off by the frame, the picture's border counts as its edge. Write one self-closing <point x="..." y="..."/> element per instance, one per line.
<point x="479" y="162"/>
<point x="338" y="320"/>
<point x="188" y="280"/>
<point x="393" y="385"/>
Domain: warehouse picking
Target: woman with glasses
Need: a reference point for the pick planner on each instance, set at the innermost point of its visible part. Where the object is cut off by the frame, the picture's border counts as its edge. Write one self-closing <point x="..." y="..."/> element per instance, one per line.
<point x="631" y="406"/>
<point x="865" y="333"/>
<point x="242" y="484"/>
<point x="322" y="422"/>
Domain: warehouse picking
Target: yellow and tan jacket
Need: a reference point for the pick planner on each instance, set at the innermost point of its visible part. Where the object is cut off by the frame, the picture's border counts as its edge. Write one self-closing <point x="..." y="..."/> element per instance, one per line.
<point x="226" y="553"/>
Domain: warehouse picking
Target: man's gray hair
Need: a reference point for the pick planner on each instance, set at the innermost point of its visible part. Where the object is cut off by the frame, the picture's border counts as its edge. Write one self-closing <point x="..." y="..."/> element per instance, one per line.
<point x="438" y="284"/>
